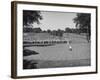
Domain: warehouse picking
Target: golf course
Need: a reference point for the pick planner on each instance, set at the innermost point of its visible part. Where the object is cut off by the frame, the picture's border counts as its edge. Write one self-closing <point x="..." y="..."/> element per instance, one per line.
<point x="60" y="55"/>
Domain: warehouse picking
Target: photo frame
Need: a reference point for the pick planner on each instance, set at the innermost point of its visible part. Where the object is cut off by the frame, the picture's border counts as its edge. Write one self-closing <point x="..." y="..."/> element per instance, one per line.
<point x="50" y="39"/>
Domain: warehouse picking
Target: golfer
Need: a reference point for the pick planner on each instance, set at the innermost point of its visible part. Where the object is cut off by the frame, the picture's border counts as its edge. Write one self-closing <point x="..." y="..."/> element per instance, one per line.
<point x="69" y="44"/>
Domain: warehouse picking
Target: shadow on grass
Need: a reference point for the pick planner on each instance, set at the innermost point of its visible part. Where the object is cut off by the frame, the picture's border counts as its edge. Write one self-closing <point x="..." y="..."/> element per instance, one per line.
<point x="27" y="52"/>
<point x="37" y="64"/>
<point x="29" y="64"/>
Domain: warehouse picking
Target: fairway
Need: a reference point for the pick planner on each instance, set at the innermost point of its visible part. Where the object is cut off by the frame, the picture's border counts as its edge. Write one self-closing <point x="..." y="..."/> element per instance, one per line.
<point x="59" y="55"/>
<point x="61" y="52"/>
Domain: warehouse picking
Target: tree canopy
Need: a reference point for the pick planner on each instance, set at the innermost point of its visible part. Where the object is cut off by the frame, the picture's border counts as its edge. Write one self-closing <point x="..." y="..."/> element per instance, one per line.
<point x="83" y="22"/>
<point x="29" y="17"/>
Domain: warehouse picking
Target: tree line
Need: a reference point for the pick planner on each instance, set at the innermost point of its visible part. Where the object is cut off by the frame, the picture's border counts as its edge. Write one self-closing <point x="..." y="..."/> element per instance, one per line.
<point x="58" y="32"/>
<point x="67" y="30"/>
<point x="82" y="21"/>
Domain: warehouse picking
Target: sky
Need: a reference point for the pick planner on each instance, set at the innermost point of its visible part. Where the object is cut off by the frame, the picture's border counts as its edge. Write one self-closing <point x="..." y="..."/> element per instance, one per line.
<point x="56" y="20"/>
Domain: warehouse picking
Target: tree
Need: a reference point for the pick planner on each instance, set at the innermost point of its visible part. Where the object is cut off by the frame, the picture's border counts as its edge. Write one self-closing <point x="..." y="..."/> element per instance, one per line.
<point x="29" y="17"/>
<point x="59" y="33"/>
<point x="68" y="30"/>
<point x="49" y="31"/>
<point x="54" y="33"/>
<point x="83" y="22"/>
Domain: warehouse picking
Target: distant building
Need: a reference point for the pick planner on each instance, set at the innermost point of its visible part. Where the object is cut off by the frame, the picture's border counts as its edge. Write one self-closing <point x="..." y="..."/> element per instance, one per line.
<point x="30" y="29"/>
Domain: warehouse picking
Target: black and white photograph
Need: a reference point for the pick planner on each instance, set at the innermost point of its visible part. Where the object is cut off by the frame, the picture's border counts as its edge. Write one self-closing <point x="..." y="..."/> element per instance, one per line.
<point x="56" y="39"/>
<point x="53" y="39"/>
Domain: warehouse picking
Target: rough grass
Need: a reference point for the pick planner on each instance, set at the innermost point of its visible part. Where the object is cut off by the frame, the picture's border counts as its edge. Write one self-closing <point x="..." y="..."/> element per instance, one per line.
<point x="36" y="64"/>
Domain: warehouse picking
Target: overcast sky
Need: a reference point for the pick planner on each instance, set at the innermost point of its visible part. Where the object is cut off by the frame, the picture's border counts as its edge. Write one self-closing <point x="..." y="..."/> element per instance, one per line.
<point x="56" y="20"/>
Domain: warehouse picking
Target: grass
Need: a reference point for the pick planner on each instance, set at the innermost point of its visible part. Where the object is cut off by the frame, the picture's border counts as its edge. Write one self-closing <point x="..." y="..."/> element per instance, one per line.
<point x="36" y="64"/>
<point x="59" y="55"/>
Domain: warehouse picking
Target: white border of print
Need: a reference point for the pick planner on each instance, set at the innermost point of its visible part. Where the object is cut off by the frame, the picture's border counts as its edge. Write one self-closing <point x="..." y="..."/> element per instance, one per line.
<point x="31" y="72"/>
